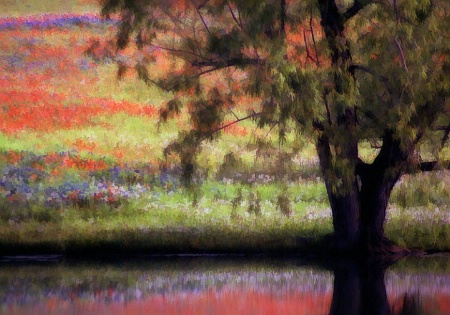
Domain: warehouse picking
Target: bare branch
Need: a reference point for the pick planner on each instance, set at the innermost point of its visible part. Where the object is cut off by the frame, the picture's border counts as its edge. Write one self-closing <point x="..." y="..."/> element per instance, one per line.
<point x="402" y="55"/>
<point x="215" y="66"/>
<point x="314" y="41"/>
<point x="396" y="9"/>
<point x="270" y="130"/>
<point x="308" y="55"/>
<point x="283" y="16"/>
<point x="226" y="63"/>
<point x="429" y="167"/>
<point x="234" y="16"/>
<point x="201" y="17"/>
<point x="254" y="114"/>
<point x="239" y="16"/>
<point x="209" y="71"/>
<point x="440" y="128"/>
<point x="234" y="114"/>
<point x="178" y="51"/>
<point x="197" y="43"/>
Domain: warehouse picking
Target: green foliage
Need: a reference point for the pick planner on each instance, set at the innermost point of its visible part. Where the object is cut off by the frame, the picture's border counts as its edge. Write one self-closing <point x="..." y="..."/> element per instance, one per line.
<point x="172" y="109"/>
<point x="390" y="77"/>
<point x="344" y="73"/>
<point x="226" y="46"/>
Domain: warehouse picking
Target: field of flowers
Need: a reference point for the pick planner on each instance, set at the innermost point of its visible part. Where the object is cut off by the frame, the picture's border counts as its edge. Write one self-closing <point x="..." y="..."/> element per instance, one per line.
<point x="81" y="151"/>
<point x="50" y="102"/>
<point x="71" y="134"/>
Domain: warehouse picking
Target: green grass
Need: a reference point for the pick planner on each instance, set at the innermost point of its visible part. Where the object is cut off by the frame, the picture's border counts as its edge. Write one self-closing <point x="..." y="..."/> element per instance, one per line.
<point x="164" y="221"/>
<point x="178" y="222"/>
<point x="27" y="7"/>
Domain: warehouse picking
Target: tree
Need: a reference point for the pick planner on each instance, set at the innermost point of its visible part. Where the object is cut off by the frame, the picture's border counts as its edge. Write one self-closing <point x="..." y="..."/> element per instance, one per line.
<point x="345" y="72"/>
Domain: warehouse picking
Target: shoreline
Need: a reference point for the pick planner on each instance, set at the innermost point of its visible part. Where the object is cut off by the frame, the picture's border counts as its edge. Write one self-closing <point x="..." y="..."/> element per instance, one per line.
<point x="104" y="251"/>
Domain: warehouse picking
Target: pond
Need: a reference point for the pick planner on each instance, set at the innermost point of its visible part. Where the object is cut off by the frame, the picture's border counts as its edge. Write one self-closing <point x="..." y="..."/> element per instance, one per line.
<point x="225" y="285"/>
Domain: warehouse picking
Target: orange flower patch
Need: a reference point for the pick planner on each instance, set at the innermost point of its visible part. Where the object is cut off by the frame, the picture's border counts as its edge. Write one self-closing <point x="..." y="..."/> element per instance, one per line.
<point x="43" y="111"/>
<point x="85" y="164"/>
<point x="67" y="162"/>
<point x="81" y="145"/>
<point x="13" y="157"/>
<point x="118" y="154"/>
<point x="91" y="165"/>
<point x="52" y="158"/>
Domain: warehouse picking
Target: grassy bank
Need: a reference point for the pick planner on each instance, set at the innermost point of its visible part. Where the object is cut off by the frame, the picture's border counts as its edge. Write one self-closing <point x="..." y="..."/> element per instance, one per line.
<point x="217" y="218"/>
<point x="208" y="237"/>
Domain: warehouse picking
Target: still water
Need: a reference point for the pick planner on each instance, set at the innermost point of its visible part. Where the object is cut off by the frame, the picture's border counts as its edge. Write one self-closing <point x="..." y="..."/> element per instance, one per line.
<point x="220" y="285"/>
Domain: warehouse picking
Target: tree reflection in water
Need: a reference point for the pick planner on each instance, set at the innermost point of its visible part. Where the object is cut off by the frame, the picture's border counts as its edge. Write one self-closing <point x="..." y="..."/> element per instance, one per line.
<point x="237" y="287"/>
<point x="359" y="289"/>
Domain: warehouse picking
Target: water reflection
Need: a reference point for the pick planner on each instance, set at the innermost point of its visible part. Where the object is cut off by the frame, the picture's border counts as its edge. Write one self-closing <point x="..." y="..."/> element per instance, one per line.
<point x="218" y="286"/>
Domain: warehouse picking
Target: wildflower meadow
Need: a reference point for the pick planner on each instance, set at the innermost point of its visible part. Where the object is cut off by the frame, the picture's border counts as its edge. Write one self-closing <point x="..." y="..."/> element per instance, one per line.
<point x="82" y="163"/>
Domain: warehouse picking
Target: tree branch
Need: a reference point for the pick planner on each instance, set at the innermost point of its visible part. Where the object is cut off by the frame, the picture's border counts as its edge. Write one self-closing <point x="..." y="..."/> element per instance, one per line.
<point x="234" y="114"/>
<point x="227" y="63"/>
<point x="402" y="55"/>
<point x="181" y="51"/>
<point x="429" y="167"/>
<point x="394" y="3"/>
<point x="314" y="41"/>
<point x="203" y="20"/>
<point x="308" y="55"/>
<point x="283" y="17"/>
<point x="234" y="16"/>
<point x="254" y="114"/>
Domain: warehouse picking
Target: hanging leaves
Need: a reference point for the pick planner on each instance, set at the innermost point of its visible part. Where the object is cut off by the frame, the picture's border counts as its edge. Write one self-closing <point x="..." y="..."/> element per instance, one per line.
<point x="382" y="66"/>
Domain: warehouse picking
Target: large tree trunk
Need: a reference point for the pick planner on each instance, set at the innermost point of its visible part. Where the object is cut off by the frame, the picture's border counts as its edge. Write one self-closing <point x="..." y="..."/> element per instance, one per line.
<point x="375" y="194"/>
<point x="377" y="181"/>
<point x="359" y="207"/>
<point x="346" y="220"/>
<point x="345" y="204"/>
